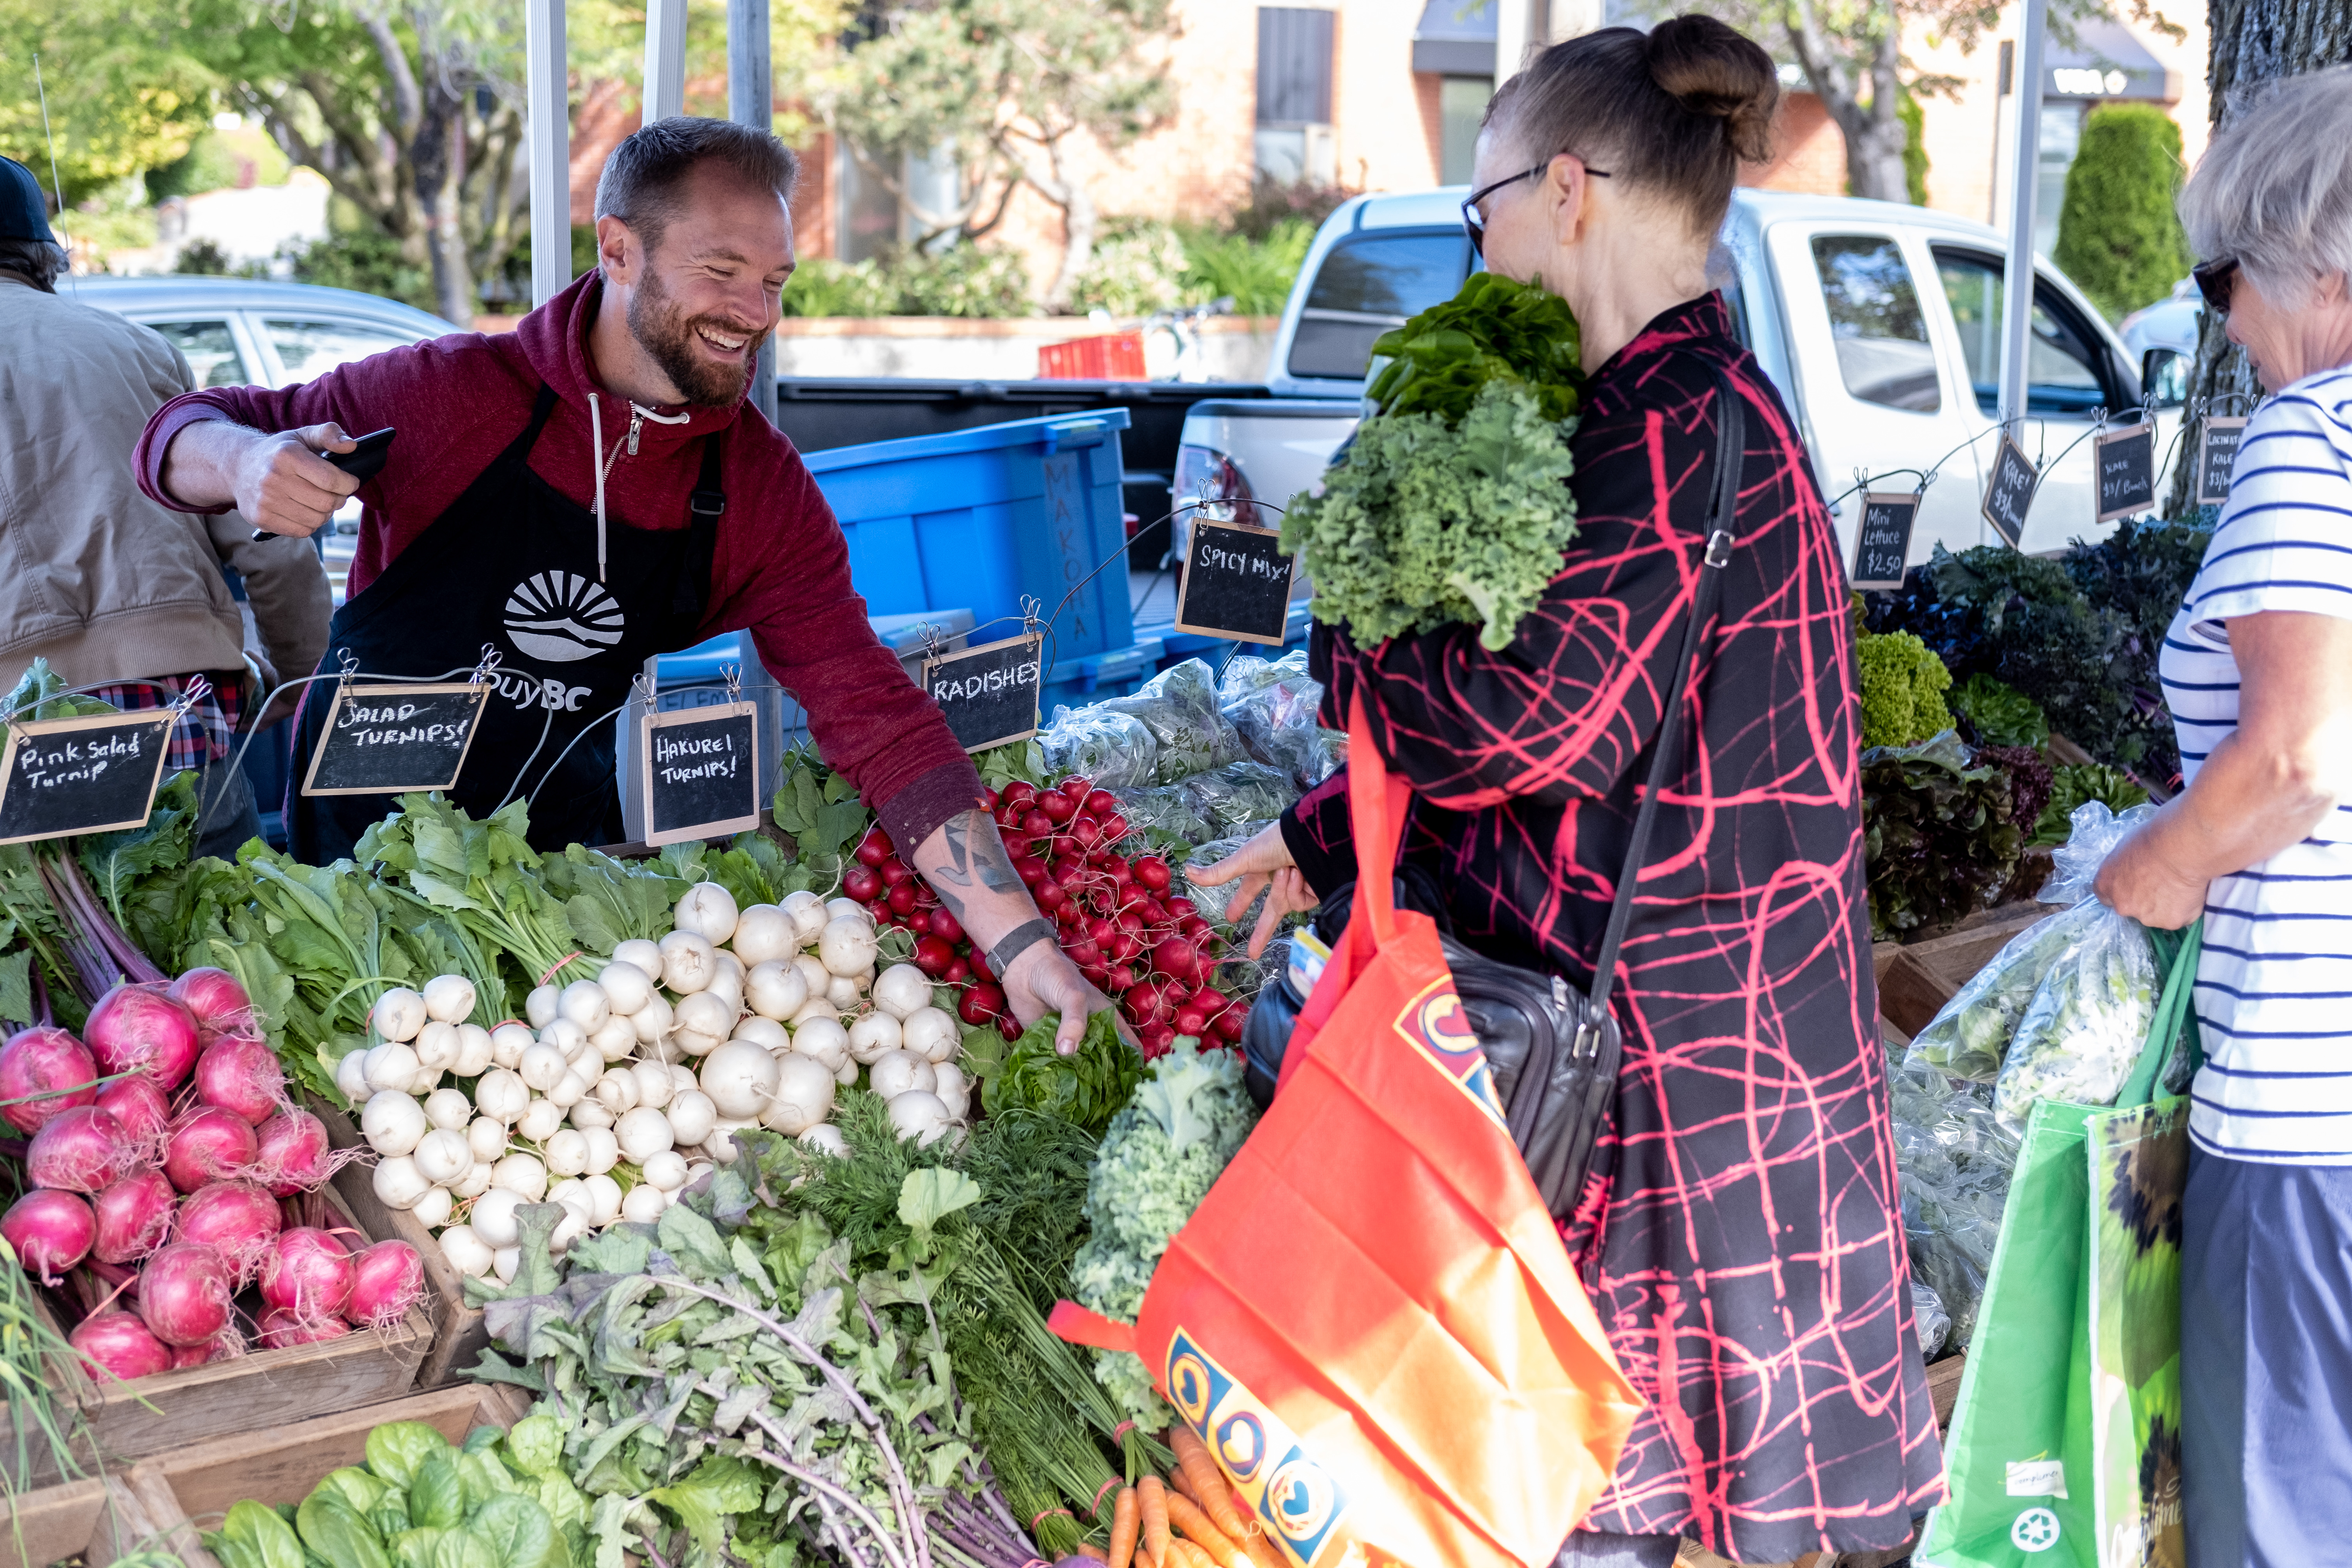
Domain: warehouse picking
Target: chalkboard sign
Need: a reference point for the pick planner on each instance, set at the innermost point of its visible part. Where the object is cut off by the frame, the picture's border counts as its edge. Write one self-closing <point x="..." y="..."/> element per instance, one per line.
<point x="384" y="740"/>
<point x="2126" y="465"/>
<point x="1237" y="584"/>
<point x="2216" y="459"/>
<point x="2010" y="493"/>
<point x="1882" y="545"/>
<point x="988" y="694"/>
<point x="702" y="771"/>
<point x="91" y="775"/>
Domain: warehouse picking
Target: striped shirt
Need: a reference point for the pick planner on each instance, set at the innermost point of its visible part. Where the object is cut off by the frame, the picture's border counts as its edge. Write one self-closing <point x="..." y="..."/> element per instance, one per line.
<point x="2274" y="988"/>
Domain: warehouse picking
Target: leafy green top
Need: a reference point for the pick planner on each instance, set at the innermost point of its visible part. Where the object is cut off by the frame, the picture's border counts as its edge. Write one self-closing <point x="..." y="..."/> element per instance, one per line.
<point x="1492" y="329"/>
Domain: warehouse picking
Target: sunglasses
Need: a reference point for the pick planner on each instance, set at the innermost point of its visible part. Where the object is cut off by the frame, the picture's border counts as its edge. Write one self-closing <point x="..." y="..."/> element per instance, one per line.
<point x="2215" y="280"/>
<point x="1474" y="221"/>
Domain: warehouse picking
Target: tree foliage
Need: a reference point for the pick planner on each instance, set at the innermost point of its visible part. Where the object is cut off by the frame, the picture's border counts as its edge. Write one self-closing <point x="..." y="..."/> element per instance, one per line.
<point x="1007" y="92"/>
<point x="127" y="89"/>
<point x="2118" y="237"/>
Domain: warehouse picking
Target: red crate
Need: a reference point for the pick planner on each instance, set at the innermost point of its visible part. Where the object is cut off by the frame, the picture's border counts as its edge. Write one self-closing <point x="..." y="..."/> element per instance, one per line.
<point x="1115" y="356"/>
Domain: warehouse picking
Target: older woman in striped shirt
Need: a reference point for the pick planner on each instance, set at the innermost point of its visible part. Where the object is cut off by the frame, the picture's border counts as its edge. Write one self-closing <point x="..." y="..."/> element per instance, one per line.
<point x="2257" y="669"/>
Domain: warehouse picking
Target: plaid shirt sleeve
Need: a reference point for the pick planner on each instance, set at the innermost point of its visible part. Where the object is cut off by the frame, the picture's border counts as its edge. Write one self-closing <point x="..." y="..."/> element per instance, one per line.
<point x="204" y="732"/>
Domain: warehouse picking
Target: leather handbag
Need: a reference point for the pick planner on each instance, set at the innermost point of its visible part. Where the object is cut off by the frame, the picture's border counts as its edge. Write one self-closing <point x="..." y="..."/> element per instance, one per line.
<point x="1554" y="1050"/>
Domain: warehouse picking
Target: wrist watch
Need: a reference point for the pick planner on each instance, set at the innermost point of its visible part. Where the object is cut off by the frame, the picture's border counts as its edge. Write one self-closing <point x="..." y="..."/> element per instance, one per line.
<point x="1015" y="943"/>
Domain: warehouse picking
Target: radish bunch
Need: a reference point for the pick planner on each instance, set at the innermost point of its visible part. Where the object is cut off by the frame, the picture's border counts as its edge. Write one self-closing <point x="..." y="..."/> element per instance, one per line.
<point x="1149" y="948"/>
<point x="159" y="1190"/>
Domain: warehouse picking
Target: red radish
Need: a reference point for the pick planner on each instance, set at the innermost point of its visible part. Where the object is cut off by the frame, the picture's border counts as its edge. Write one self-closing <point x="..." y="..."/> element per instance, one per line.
<point x="1151" y="871"/>
<point x="1017" y="843"/>
<point x="956" y="973"/>
<point x="1009" y="1026"/>
<point x="1078" y="786"/>
<point x="1210" y="1001"/>
<point x="893" y="872"/>
<point x="80" y="1150"/>
<point x="875" y="848"/>
<point x="184" y="1293"/>
<point x="145" y="1114"/>
<point x="1180" y="906"/>
<point x="1177" y="957"/>
<point x="114" y="1343"/>
<point x="387" y="1279"/>
<point x="862" y="883"/>
<point x="980" y="1004"/>
<point x="1051" y="895"/>
<point x="1190" y="1021"/>
<point x="933" y="954"/>
<point x="208" y="1144"/>
<point x="1232" y="1021"/>
<point x="307" y="1272"/>
<point x="238" y="1217"/>
<point x="45" y="1071"/>
<point x="1036" y="824"/>
<point x="1018" y="791"/>
<point x="281" y="1329"/>
<point x="988" y="798"/>
<point x="1115" y="829"/>
<point x="292" y="1155"/>
<point x="1100" y="803"/>
<point x="1158" y="1040"/>
<point x="1057" y="807"/>
<point x="944" y="924"/>
<point x="216" y="1000"/>
<point x="242" y="1075"/>
<point x="901" y="900"/>
<point x="50" y="1232"/>
<point x="133" y="1216"/>
<point x="1067" y="913"/>
<point x="138" y="1028"/>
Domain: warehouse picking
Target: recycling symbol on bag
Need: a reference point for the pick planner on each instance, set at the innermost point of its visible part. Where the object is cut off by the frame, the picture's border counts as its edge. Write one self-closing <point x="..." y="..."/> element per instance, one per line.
<point x="2036" y="1529"/>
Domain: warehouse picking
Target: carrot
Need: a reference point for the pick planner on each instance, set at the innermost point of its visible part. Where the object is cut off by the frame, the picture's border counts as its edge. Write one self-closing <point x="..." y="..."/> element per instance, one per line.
<point x="1208" y="1488"/>
<point x="1125" y="1520"/>
<point x="1181" y="1485"/>
<point x="1088" y="1549"/>
<point x="1186" y="1516"/>
<point x="1185" y="1555"/>
<point x="1262" y="1553"/>
<point x="1152" y="1494"/>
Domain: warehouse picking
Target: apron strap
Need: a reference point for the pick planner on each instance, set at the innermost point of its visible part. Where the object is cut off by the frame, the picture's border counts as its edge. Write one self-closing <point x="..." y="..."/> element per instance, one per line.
<point x="541" y="408"/>
<point x="703" y="507"/>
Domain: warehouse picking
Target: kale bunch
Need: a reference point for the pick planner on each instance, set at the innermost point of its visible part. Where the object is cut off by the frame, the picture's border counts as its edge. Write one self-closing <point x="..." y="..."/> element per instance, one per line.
<point x="2076" y="786"/>
<point x="2142" y="572"/>
<point x="1997" y="714"/>
<point x="1940" y="837"/>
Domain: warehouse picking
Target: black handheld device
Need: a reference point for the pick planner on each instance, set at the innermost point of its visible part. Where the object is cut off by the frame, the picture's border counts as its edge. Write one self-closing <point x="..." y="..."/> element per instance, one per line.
<point x="363" y="462"/>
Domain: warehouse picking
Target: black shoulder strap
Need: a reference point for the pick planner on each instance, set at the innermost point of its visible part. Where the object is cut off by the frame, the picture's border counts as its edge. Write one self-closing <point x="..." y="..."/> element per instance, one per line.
<point x="1722" y="521"/>
<point x="703" y="509"/>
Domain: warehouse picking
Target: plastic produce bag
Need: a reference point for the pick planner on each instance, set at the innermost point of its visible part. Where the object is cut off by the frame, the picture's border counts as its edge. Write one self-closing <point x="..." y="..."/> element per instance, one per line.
<point x="1179" y="706"/>
<point x="1114" y="750"/>
<point x="1165" y="807"/>
<point x="1935" y="1323"/>
<point x="1273" y="703"/>
<point x="1954" y="1159"/>
<point x="1239" y="793"/>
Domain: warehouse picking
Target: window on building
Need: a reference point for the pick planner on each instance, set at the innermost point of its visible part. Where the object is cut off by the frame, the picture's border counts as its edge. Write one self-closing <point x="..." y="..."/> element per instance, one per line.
<point x="210" y="349"/>
<point x="1294" y="138"/>
<point x="1461" y="104"/>
<point x="2064" y="363"/>
<point x="1882" y="351"/>
<point x="1367" y="284"/>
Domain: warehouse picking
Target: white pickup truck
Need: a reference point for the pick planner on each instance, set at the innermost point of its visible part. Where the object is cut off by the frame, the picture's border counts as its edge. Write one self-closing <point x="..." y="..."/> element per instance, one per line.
<point x="1879" y="323"/>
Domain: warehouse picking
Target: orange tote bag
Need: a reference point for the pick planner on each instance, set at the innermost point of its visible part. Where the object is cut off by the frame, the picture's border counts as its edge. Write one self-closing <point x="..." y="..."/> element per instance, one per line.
<point x="1371" y="1320"/>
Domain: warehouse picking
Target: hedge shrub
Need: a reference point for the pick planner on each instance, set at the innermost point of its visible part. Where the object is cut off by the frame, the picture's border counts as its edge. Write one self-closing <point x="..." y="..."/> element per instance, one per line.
<point x="2118" y="237"/>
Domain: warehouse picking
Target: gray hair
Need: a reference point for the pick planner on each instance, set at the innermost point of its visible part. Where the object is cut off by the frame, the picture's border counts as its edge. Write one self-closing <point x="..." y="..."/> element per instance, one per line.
<point x="36" y="261"/>
<point x="2275" y="189"/>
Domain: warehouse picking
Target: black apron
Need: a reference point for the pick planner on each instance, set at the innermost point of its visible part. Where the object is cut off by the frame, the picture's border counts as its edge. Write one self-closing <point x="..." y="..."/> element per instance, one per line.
<point x="512" y="563"/>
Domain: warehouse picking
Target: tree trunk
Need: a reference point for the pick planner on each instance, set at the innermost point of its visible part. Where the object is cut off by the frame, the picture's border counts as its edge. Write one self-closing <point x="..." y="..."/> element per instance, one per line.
<point x="2254" y="41"/>
<point x="1874" y="131"/>
<point x="438" y="156"/>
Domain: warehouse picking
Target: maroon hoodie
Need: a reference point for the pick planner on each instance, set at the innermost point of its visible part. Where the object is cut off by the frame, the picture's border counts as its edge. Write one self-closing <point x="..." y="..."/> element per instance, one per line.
<point x="781" y="568"/>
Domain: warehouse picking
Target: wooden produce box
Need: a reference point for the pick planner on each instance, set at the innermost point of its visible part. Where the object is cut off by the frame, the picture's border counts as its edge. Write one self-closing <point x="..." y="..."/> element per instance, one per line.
<point x="255" y="1391"/>
<point x="188" y="1490"/>
<point x="99" y="1520"/>
<point x="41" y="1467"/>
<point x="1916" y="980"/>
<point x="459" y="1335"/>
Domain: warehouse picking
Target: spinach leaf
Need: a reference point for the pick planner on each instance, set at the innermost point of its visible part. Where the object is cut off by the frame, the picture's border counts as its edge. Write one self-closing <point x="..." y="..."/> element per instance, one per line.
<point x="415" y="1548"/>
<point x="486" y="1477"/>
<point x="536" y="1446"/>
<point x="437" y="1497"/>
<point x="334" y="1530"/>
<point x="516" y="1530"/>
<point x="254" y="1536"/>
<point x="461" y="1547"/>
<point x="355" y="1486"/>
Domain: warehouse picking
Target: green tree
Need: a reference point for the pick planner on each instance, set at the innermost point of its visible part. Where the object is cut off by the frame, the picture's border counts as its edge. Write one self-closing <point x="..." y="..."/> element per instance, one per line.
<point x="1003" y="91"/>
<point x="2118" y="237"/>
<point x="1914" y="148"/>
<point x="126" y="90"/>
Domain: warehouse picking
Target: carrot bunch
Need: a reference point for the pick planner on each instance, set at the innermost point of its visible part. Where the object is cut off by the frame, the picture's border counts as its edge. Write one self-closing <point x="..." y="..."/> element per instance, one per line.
<point x="1187" y="1521"/>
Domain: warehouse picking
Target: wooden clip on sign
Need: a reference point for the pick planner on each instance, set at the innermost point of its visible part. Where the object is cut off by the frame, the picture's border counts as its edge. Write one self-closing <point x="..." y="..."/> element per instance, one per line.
<point x="1237" y="584"/>
<point x="91" y="775"/>
<point x="1882" y="545"/>
<point x="988" y="695"/>
<point x="387" y="740"/>
<point x="2127" y="471"/>
<point x="701" y="774"/>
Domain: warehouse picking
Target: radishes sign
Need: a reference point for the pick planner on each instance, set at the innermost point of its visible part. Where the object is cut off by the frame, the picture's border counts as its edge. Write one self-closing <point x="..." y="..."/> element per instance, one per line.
<point x="988" y="695"/>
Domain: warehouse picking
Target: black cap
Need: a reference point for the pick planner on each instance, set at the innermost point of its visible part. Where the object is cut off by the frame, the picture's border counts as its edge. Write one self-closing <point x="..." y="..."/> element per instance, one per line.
<point x="24" y="210"/>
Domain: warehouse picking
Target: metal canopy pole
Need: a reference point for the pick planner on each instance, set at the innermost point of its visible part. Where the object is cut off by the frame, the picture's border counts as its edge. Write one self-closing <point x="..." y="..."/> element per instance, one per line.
<point x="751" y="100"/>
<point x="549" y="111"/>
<point x="665" y="94"/>
<point x="2017" y="293"/>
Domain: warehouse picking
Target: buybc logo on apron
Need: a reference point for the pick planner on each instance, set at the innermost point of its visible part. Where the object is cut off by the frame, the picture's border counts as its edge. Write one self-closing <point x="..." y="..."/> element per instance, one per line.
<point x="515" y="554"/>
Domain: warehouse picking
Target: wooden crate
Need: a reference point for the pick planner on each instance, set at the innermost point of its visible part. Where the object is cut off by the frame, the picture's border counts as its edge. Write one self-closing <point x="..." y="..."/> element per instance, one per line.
<point x="42" y="1467"/>
<point x="99" y="1520"/>
<point x="250" y="1393"/>
<point x="1915" y="981"/>
<point x="459" y="1335"/>
<point x="187" y="1490"/>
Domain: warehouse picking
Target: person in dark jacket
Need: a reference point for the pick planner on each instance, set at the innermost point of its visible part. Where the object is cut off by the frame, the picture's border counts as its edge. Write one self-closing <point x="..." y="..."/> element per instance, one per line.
<point x="1747" y="1247"/>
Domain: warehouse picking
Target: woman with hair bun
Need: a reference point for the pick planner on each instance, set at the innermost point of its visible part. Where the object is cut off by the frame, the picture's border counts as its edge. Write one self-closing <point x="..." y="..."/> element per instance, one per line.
<point x="1747" y="1250"/>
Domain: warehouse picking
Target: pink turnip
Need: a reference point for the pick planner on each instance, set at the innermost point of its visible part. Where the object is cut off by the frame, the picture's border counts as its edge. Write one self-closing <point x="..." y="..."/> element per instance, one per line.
<point x="50" y="1231"/>
<point x="241" y="1074"/>
<point x="44" y="1072"/>
<point x="307" y="1273"/>
<point x="134" y="1216"/>
<point x="138" y="1028"/>
<point x="293" y="1154"/>
<point x="184" y="1293"/>
<point x="208" y="1144"/>
<point x="237" y="1216"/>
<point x="80" y="1150"/>
<point x="226" y="1345"/>
<point x="115" y="1344"/>
<point x="218" y="1001"/>
<point x="281" y="1329"/>
<point x="386" y="1280"/>
<point x="140" y="1107"/>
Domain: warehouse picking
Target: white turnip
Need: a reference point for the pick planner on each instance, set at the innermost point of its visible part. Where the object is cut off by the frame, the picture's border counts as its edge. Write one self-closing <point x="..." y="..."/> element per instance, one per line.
<point x="764" y="932"/>
<point x="604" y="1199"/>
<point x="643" y="1203"/>
<point x="872" y="1035"/>
<point x="486" y="1137"/>
<point x="688" y="961"/>
<point x="707" y="911"/>
<point x="584" y="1003"/>
<point x="567" y="1154"/>
<point x="775" y="990"/>
<point x="807" y="913"/>
<point x="521" y="1172"/>
<point x="825" y="1139"/>
<point x="540" y="1120"/>
<point x="932" y="1034"/>
<point x="540" y="1006"/>
<point x="589" y="1113"/>
<point x="615" y="1040"/>
<point x="435" y="1047"/>
<point x="666" y="1170"/>
<point x="642" y="1133"/>
<point x="802" y="1097"/>
<point x="494" y="1219"/>
<point x="848" y="946"/>
<point x="449" y="998"/>
<point x="392" y="1122"/>
<point x="474" y="1052"/>
<point x="542" y="1067"/>
<point x="507" y="1043"/>
<point x="626" y="986"/>
<point x="953" y="1089"/>
<point x="845" y="991"/>
<point x="920" y="1115"/>
<point x="433" y="1210"/>
<point x="892" y="1073"/>
<point x="443" y="1155"/>
<point x="653" y="1020"/>
<point x="397" y="1183"/>
<point x="474" y="1183"/>
<point x="740" y="1077"/>
<point x="391" y="1065"/>
<point x="501" y="1095"/>
<point x="825" y="1040"/>
<point x="691" y="1116"/>
<point x="901" y="989"/>
<point x="838" y="909"/>
<point x="448" y="1108"/>
<point x="467" y="1253"/>
<point x="604" y="1150"/>
<point x="398" y="1014"/>
<point x="569" y="1090"/>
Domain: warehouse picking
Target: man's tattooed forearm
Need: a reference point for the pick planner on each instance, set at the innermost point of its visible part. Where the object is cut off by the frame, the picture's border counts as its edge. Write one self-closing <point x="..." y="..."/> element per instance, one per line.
<point x="976" y="860"/>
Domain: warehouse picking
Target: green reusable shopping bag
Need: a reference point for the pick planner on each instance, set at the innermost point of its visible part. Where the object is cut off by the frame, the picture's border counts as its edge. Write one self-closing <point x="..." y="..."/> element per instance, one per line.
<point x="2065" y="1447"/>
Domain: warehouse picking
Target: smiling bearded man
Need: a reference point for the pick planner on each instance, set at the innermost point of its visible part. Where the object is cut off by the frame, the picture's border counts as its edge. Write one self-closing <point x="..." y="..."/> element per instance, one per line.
<point x="588" y="493"/>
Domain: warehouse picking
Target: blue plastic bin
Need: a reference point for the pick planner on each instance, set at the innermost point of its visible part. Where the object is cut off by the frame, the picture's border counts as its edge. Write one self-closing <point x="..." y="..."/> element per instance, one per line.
<point x="982" y="517"/>
<point x="1177" y="646"/>
<point x="1092" y="678"/>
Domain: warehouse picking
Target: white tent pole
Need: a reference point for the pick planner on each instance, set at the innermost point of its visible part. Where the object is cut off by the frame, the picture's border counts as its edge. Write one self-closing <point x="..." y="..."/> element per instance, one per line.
<point x="2017" y="295"/>
<point x="664" y="92"/>
<point x="549" y="125"/>
<point x="751" y="100"/>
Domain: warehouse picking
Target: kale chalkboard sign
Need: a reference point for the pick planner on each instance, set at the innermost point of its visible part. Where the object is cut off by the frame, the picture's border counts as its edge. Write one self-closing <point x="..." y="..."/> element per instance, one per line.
<point x="2010" y="493"/>
<point x="989" y="695"/>
<point x="702" y="771"/>
<point x="1237" y="584"/>
<point x="2217" y="458"/>
<point x="1882" y="545"/>
<point x="384" y="740"/>
<point x="2125" y="460"/>
<point x="91" y="775"/>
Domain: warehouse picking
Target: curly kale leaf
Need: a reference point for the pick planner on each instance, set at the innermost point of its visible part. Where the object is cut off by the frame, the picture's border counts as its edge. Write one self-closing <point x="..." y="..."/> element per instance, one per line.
<point x="1903" y="687"/>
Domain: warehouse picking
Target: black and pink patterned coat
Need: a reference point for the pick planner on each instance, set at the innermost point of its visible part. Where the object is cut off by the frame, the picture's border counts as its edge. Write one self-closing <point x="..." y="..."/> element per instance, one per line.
<point x="1751" y="1270"/>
